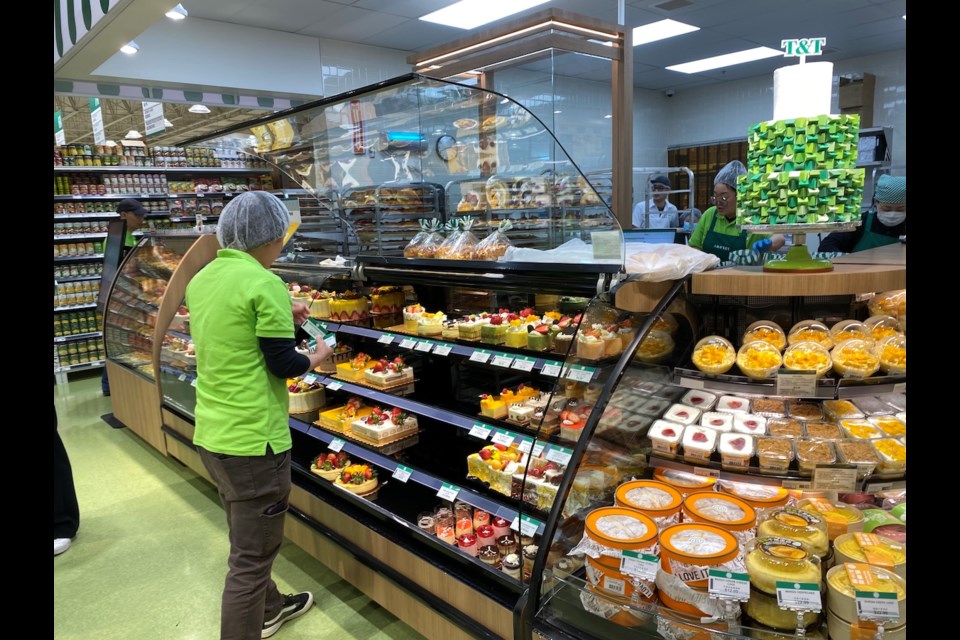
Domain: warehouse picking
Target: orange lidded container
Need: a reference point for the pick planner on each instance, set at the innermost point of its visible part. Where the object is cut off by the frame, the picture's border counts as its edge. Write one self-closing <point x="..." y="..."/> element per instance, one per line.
<point x="608" y="532"/>
<point x="656" y="500"/>
<point x="683" y="481"/>
<point x="725" y="511"/>
<point x="688" y="551"/>
<point x="758" y="496"/>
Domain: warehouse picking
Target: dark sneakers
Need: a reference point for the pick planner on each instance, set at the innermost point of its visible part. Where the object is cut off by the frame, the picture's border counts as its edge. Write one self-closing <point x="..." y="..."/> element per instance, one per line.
<point x="293" y="607"/>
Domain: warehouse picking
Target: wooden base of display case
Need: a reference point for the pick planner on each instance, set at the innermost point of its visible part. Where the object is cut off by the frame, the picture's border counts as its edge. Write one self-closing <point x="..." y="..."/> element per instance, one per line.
<point x="136" y="403"/>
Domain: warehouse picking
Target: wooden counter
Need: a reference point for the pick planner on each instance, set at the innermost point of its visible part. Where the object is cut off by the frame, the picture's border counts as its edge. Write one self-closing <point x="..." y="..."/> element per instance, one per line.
<point x="845" y="279"/>
<point x="890" y="254"/>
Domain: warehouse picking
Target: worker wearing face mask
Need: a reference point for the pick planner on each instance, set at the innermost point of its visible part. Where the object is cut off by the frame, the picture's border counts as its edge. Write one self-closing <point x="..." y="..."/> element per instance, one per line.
<point x="881" y="225"/>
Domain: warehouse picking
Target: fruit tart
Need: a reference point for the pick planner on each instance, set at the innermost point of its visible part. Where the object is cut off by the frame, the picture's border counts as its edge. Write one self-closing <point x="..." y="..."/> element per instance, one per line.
<point x="358" y="478"/>
<point x="329" y="465"/>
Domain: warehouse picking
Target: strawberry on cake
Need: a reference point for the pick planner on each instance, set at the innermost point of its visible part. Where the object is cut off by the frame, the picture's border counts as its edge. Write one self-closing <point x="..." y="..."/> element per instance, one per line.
<point x="354" y="369"/>
<point x="358" y="478"/>
<point x="329" y="465"/>
<point x="385" y="373"/>
<point x="385" y="300"/>
<point x="381" y="426"/>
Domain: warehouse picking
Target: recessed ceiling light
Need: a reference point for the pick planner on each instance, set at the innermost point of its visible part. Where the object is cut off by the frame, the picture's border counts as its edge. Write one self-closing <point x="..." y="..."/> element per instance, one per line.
<point x="469" y="14"/>
<point x="177" y="13"/>
<point x="904" y="16"/>
<point x="608" y="116"/>
<point x="199" y="108"/>
<point x="130" y="48"/>
<point x="660" y="31"/>
<point x="726" y="60"/>
<point x="558" y="111"/>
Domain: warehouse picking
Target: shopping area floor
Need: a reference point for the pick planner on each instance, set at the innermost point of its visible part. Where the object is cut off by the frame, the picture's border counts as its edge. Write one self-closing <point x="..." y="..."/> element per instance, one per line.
<point x="149" y="560"/>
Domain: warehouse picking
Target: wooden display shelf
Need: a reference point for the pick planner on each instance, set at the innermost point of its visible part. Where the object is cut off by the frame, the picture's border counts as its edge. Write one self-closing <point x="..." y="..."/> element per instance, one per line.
<point x="845" y="279"/>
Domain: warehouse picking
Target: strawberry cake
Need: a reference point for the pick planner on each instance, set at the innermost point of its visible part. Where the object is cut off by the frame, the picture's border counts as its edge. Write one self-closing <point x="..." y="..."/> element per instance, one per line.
<point x="358" y="478"/>
<point x="385" y="300"/>
<point x="381" y="426"/>
<point x="386" y="373"/>
<point x="349" y="306"/>
<point x="329" y="465"/>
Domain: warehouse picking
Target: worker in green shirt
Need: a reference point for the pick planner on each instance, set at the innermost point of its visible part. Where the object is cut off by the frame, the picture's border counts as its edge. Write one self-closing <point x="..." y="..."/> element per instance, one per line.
<point x="716" y="231"/>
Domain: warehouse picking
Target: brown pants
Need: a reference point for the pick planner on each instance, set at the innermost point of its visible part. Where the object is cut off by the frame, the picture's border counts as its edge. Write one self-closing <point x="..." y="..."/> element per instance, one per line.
<point x="254" y="491"/>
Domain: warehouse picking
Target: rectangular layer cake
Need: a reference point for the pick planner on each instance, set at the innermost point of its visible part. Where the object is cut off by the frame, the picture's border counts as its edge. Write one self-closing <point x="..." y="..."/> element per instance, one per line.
<point x="387" y="378"/>
<point x="385" y="430"/>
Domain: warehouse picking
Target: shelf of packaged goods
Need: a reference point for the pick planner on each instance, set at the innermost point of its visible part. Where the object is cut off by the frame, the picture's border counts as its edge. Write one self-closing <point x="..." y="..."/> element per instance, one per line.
<point x="159" y="169"/>
<point x="79" y="236"/>
<point x="209" y="194"/>
<point x="78" y="336"/>
<point x="87" y="258"/>
<point x="94" y="215"/>
<point x="76" y="307"/>
<point x="78" y="278"/>
<point x="420" y="477"/>
<point x="826" y="388"/>
<point x="111" y="196"/>
<point x="79" y="367"/>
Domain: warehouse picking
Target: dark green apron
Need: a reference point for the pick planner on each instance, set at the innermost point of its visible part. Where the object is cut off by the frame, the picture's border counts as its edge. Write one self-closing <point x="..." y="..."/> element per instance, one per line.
<point x="871" y="239"/>
<point x="720" y="244"/>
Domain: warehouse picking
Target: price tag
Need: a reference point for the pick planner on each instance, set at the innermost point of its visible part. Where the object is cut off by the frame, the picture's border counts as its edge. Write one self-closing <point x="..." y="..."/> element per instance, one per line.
<point x="642" y="565"/>
<point x="479" y="356"/>
<point x="423" y="346"/>
<point x="330" y="340"/>
<point x="336" y="444"/>
<point x="551" y="368"/>
<point x="193" y="382"/>
<point x="529" y="526"/>
<point x="580" y="373"/>
<point x="900" y="387"/>
<point x="538" y="449"/>
<point x="501" y="360"/>
<point x="503" y="437"/>
<point x="182" y="377"/>
<point x="315" y="328"/>
<point x="525" y="444"/>
<point x="798" y="596"/>
<point x="703" y="471"/>
<point x="408" y="343"/>
<point x="310" y="378"/>
<point x="478" y="430"/>
<point x="448" y="492"/>
<point x="836" y="477"/>
<point x="522" y="363"/>
<point x="515" y="525"/>
<point x="797" y="484"/>
<point x="402" y="473"/>
<point x="385" y="339"/>
<point x="876" y="605"/>
<point x="559" y="455"/>
<point x="333" y="386"/>
<point x="728" y="585"/>
<point x="797" y="384"/>
<point x="442" y="350"/>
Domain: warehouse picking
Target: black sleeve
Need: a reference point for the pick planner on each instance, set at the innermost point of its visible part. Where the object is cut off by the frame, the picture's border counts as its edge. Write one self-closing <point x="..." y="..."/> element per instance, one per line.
<point x="282" y="358"/>
<point x="839" y="241"/>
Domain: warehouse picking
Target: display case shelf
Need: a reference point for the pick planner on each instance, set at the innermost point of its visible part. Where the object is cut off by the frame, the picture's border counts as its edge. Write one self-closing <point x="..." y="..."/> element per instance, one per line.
<point x="76" y="307"/>
<point x="159" y="169"/>
<point x="111" y="196"/>
<point x="826" y="388"/>
<point x="77" y="336"/>
<point x="79" y="278"/>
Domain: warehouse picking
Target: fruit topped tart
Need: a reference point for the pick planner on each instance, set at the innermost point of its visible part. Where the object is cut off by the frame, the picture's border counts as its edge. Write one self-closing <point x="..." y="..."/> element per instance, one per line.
<point x="386" y="372"/>
<point x="354" y="369"/>
<point x="357" y="478"/>
<point x="329" y="465"/>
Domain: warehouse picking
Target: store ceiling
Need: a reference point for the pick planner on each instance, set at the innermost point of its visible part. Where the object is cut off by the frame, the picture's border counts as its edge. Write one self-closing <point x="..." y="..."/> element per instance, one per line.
<point x="853" y="28"/>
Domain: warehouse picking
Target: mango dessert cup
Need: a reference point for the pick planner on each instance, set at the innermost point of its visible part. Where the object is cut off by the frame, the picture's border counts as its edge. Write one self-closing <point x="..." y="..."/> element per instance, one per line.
<point x="714" y="355"/>
<point x="807" y="356"/>
<point x="759" y="360"/>
<point x="768" y="331"/>
<point x="810" y="330"/>
<point x="855" y="359"/>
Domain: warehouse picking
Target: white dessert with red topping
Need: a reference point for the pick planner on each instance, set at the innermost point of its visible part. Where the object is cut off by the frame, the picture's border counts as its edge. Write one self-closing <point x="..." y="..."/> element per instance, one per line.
<point x="386" y="373"/>
<point x="733" y="404"/>
<point x="736" y="449"/>
<point x="665" y="436"/>
<point x="718" y="421"/>
<point x="703" y="400"/>
<point x="682" y="414"/>
<point x="382" y="425"/>
<point x="749" y="423"/>
<point x="698" y="443"/>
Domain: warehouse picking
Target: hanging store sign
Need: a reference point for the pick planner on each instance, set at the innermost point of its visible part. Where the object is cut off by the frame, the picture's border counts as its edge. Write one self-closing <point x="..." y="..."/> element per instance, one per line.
<point x="153" y="118"/>
<point x="96" y="119"/>
<point x="58" y="134"/>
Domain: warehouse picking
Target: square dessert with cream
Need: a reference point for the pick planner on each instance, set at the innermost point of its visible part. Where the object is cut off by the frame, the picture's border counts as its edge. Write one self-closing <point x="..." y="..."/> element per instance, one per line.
<point x="703" y="400"/>
<point x="665" y="436"/>
<point x="385" y="373"/>
<point x="520" y="413"/>
<point x="736" y="449"/>
<point x="682" y="414"/>
<point x="381" y="425"/>
<point x="722" y="422"/>
<point x="698" y="443"/>
<point x="749" y="423"/>
<point x="733" y="404"/>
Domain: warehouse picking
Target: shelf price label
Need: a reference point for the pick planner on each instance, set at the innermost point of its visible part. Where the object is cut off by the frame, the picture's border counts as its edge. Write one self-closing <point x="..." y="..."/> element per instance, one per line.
<point x="580" y="373"/>
<point x="797" y="384"/>
<point x="559" y="455"/>
<point x="836" y="477"/>
<point x="402" y="473"/>
<point x="551" y="368"/>
<point x="310" y="378"/>
<point x="538" y="449"/>
<point x="503" y="437"/>
<point x="336" y="444"/>
<point x="525" y="444"/>
<point x="193" y="382"/>
<point x="182" y="377"/>
<point x="526" y="525"/>
<point x="642" y="565"/>
<point x="333" y="386"/>
<point x="502" y="360"/>
<point x="385" y="339"/>
<point x="448" y="492"/>
<point x="330" y="340"/>
<point x="408" y="343"/>
<point x="728" y="585"/>
<point x="480" y="430"/>
<point x="315" y="328"/>
<point x="480" y="356"/>
<point x="523" y="363"/>
<point x="798" y="596"/>
<point x="423" y="346"/>
<point x="442" y="350"/>
<point x="877" y="606"/>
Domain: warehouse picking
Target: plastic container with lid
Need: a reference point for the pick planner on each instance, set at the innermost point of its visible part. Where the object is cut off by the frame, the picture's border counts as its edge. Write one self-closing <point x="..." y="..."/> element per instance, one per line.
<point x="844" y="580"/>
<point x="774" y="454"/>
<point x="840" y="409"/>
<point x="763" y="608"/>
<point x="822" y="431"/>
<point x="655" y="347"/>
<point x="690" y="549"/>
<point x="860" y="429"/>
<point x="840" y="518"/>
<point x="849" y="330"/>
<point x="890" y="425"/>
<point x="808" y="529"/>
<point x="749" y="423"/>
<point x="758" y="496"/>
<point x="698" y="443"/>
<point x="665" y="322"/>
<point x="881" y="326"/>
<point x="736" y="451"/>
<point x="733" y="404"/>
<point x="891" y="303"/>
<point x="683" y="481"/>
<point x="717" y="420"/>
<point x="768" y="331"/>
<point x="612" y="530"/>
<point x="804" y="410"/>
<point x="810" y="330"/>
<point x="872" y="549"/>
<point x="896" y="400"/>
<point x="840" y="629"/>
<point x="892" y="454"/>
<point x="657" y="500"/>
<point x="892" y="352"/>
<point x="769" y="407"/>
<point x="855" y="359"/>
<point x="665" y="437"/>
<point x="812" y="452"/>
<point x="682" y="414"/>
<point x="873" y="406"/>
<point x="785" y="428"/>
<point x="714" y="355"/>
<point x="725" y="511"/>
<point x="807" y="356"/>
<point x="770" y="559"/>
<point x="703" y="400"/>
<point x="759" y="360"/>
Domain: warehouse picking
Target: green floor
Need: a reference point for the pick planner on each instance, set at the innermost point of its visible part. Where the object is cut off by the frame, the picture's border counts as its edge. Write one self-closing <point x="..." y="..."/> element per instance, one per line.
<point x="150" y="556"/>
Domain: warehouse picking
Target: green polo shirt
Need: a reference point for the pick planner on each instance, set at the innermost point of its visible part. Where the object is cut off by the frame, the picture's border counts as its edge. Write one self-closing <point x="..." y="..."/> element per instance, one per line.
<point x="241" y="406"/>
<point x="724" y="226"/>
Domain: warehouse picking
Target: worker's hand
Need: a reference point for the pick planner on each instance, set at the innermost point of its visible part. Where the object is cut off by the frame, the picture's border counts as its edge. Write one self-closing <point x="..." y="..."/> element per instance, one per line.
<point x="762" y="245"/>
<point x="300" y="313"/>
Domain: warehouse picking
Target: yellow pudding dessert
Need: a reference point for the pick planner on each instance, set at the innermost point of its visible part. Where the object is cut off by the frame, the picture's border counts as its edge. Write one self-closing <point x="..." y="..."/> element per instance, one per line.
<point x="806" y="528"/>
<point x="872" y="549"/>
<point x="840" y="518"/>
<point x="430" y="324"/>
<point x="855" y="359"/>
<point x="845" y="580"/>
<point x="893" y="455"/>
<point x="807" y="356"/>
<point x="768" y="331"/>
<point x="759" y="360"/>
<point x="714" y="354"/>
<point x="810" y="330"/>
<point x="892" y="352"/>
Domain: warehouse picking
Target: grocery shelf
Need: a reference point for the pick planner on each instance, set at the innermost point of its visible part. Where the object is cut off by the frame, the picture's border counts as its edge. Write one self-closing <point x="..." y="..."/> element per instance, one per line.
<point x="111" y="196"/>
<point x="95" y="215"/>
<point x="826" y="389"/>
<point x="159" y="169"/>
<point x="80" y="236"/>
<point x="88" y="258"/>
<point x="76" y="307"/>
<point x="79" y="367"/>
<point x="78" y="278"/>
<point x="179" y="334"/>
<point x="78" y="336"/>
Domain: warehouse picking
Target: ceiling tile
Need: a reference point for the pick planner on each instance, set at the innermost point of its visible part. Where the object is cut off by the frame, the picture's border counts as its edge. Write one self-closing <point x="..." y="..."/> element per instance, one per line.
<point x="351" y="24"/>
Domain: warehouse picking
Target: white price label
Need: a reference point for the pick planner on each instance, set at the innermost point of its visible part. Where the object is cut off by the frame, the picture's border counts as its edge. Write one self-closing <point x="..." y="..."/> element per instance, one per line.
<point x="521" y="363"/>
<point x="875" y="605"/>
<point x="525" y="444"/>
<point x="336" y="444"/>
<point x="708" y="473"/>
<point x="529" y="526"/>
<point x="798" y="596"/>
<point x="423" y="346"/>
<point x="641" y="565"/>
<point x="728" y="585"/>
<point x="330" y="340"/>
<point x="835" y="478"/>
<point x="442" y="350"/>
<point x="310" y="378"/>
<point x="193" y="382"/>
<point x="182" y="377"/>
<point x="503" y="437"/>
<point x="501" y="360"/>
<point x="333" y="386"/>
<point x="479" y="356"/>
<point x="797" y="384"/>
<point x="480" y="431"/>
<point x="551" y="369"/>
<point x="515" y="525"/>
<point x="408" y="343"/>
<point x="538" y="449"/>
<point x="448" y="492"/>
<point x="385" y="339"/>
<point x="559" y="455"/>
<point x="580" y="374"/>
<point x="402" y="473"/>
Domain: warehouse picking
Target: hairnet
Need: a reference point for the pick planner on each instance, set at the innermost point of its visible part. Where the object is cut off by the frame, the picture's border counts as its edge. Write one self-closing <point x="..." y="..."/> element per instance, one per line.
<point x="251" y="220"/>
<point x="728" y="175"/>
<point x="891" y="189"/>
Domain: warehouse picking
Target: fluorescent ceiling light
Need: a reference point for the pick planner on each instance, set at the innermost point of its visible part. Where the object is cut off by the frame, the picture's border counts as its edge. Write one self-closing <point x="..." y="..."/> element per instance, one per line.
<point x="660" y="31"/>
<point x="904" y="16"/>
<point x="198" y="108"/>
<point x="726" y="60"/>
<point x="558" y="111"/>
<point x="130" y="48"/>
<point x="177" y="13"/>
<point x="608" y="116"/>
<point x="133" y="133"/>
<point x="469" y="14"/>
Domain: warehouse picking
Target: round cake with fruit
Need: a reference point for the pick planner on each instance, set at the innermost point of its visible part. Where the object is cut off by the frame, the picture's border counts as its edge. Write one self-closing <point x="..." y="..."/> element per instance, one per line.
<point x="330" y="465"/>
<point x="358" y="478"/>
<point x="304" y="396"/>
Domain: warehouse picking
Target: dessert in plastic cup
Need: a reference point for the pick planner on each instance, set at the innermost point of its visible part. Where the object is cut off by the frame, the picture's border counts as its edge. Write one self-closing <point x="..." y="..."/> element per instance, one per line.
<point x="807" y="356"/>
<point x="892" y="352"/>
<point x="855" y="359"/>
<point x="768" y="331"/>
<point x="714" y="355"/>
<point x="759" y="360"/>
<point x="810" y="330"/>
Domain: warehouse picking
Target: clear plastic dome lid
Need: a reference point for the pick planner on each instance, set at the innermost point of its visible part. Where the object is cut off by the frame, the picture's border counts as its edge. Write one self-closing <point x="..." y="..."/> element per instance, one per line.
<point x="783" y="552"/>
<point x="807" y="356"/>
<point x="655" y="346"/>
<point x="855" y="359"/>
<point x="714" y="354"/>
<point x="892" y="352"/>
<point x="768" y="331"/>
<point x="810" y="330"/>
<point x="759" y="360"/>
<point x="665" y="322"/>
<point x="881" y="326"/>
<point x="848" y="330"/>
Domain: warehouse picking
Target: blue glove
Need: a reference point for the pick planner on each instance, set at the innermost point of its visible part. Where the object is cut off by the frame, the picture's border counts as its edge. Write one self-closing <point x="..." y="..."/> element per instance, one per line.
<point x="762" y="245"/>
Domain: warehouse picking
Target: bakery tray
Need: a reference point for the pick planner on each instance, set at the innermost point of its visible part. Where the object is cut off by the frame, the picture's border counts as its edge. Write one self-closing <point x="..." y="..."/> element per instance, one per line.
<point x="363" y="383"/>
